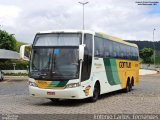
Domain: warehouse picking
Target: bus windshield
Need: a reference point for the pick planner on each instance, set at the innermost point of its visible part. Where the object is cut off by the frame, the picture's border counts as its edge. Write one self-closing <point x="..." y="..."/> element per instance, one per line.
<point x="57" y="39"/>
<point x="54" y="63"/>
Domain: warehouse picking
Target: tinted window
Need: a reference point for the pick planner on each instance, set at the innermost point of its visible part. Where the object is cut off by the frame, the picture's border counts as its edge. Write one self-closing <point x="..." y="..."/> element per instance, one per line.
<point x="108" y="48"/>
<point x="128" y="52"/>
<point x="133" y="53"/>
<point x="87" y="63"/>
<point x="136" y="53"/>
<point x="59" y="39"/>
<point x="99" y="47"/>
<point x="121" y="50"/>
<point x="114" y="54"/>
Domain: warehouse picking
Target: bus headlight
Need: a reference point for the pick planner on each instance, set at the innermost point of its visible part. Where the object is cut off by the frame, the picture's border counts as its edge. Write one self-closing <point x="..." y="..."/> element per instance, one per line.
<point x="72" y="85"/>
<point x="32" y="84"/>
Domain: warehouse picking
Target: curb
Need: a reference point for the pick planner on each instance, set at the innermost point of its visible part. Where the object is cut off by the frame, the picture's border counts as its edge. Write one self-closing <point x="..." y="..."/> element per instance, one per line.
<point x="147" y="72"/>
<point x="15" y="78"/>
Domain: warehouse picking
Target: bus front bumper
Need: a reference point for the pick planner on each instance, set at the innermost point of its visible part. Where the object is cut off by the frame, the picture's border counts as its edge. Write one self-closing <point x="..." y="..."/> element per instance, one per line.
<point x="69" y="93"/>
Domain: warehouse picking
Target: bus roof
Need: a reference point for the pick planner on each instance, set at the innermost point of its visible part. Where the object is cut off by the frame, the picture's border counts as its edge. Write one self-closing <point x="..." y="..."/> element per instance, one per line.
<point x="112" y="38"/>
<point x="99" y="34"/>
<point x="66" y="31"/>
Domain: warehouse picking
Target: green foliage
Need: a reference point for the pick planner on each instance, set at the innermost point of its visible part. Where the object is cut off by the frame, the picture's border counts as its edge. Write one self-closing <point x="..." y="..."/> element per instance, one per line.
<point x="16" y="74"/>
<point x="8" y="65"/>
<point x="147" y="44"/>
<point x="7" y="41"/>
<point x="157" y="61"/>
<point x="18" y="45"/>
<point x="146" y="54"/>
<point x="27" y="51"/>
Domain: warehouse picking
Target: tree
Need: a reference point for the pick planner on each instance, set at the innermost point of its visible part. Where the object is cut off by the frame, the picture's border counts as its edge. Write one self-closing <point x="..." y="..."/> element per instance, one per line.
<point x="7" y="41"/>
<point x="146" y="54"/>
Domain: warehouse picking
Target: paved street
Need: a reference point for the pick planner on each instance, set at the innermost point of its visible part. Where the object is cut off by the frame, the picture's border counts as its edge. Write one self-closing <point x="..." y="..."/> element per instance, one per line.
<point x="145" y="98"/>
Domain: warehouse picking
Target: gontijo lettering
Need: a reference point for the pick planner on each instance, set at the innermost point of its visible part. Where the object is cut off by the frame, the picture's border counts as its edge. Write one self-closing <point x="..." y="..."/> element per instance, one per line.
<point x="125" y="64"/>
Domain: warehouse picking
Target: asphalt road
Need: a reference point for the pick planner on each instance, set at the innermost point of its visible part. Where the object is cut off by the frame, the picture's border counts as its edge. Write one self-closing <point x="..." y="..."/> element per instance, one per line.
<point x="144" y="99"/>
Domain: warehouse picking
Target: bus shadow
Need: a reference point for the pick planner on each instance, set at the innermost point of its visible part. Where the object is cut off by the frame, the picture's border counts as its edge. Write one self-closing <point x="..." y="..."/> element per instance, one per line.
<point x="110" y="94"/>
<point x="116" y="93"/>
<point x="72" y="103"/>
<point x="66" y="103"/>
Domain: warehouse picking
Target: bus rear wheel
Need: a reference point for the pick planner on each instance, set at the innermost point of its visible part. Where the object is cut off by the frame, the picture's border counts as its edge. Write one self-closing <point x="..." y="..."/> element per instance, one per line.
<point x="96" y="93"/>
<point x="128" y="86"/>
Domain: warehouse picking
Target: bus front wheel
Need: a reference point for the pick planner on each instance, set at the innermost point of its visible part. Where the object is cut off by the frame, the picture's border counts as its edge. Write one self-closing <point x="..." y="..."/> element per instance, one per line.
<point x="96" y="93"/>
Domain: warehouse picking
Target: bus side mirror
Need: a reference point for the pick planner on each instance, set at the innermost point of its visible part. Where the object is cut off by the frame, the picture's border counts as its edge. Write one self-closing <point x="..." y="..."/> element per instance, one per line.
<point x="22" y="51"/>
<point x="81" y="51"/>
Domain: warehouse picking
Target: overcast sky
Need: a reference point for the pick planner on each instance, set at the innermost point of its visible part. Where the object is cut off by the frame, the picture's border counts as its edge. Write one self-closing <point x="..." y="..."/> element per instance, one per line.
<point x="120" y="18"/>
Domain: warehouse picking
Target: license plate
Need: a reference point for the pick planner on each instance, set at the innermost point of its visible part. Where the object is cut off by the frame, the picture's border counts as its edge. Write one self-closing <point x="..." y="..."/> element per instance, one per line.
<point x="50" y="93"/>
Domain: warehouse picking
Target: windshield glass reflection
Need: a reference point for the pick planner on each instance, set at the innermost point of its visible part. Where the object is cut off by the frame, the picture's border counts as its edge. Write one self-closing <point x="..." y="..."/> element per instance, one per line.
<point x="55" y="63"/>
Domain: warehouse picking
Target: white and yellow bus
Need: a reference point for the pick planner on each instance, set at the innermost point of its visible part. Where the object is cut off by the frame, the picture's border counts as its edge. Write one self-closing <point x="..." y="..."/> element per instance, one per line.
<point x="78" y="64"/>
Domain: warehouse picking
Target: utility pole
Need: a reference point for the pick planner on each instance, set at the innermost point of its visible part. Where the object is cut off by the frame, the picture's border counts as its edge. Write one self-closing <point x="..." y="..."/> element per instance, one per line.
<point x="154" y="49"/>
<point x="83" y="4"/>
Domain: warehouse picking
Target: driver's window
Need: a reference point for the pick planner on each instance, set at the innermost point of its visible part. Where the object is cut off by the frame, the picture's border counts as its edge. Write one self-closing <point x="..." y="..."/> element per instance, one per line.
<point x="86" y="66"/>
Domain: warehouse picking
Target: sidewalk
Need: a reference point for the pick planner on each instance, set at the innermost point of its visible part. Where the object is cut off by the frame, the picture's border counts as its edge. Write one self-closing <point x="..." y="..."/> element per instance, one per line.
<point x="15" y="78"/>
<point x="147" y="72"/>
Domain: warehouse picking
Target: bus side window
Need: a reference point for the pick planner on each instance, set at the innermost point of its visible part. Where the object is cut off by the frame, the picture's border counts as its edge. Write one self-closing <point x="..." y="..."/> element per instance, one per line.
<point x="114" y="50"/>
<point x="107" y="48"/>
<point x="117" y="50"/>
<point x="125" y="51"/>
<point x="136" y="53"/>
<point x="110" y="48"/>
<point x="106" y="54"/>
<point x="133" y="53"/>
<point x="99" y="47"/>
<point x="97" y="52"/>
<point x="128" y="52"/>
<point x="121" y="51"/>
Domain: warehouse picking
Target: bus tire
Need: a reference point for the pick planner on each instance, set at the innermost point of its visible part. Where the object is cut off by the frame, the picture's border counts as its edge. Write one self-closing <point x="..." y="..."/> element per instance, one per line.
<point x="128" y="86"/>
<point x="2" y="76"/>
<point x="132" y="84"/>
<point x="96" y="93"/>
<point x="1" y="79"/>
<point x="54" y="99"/>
